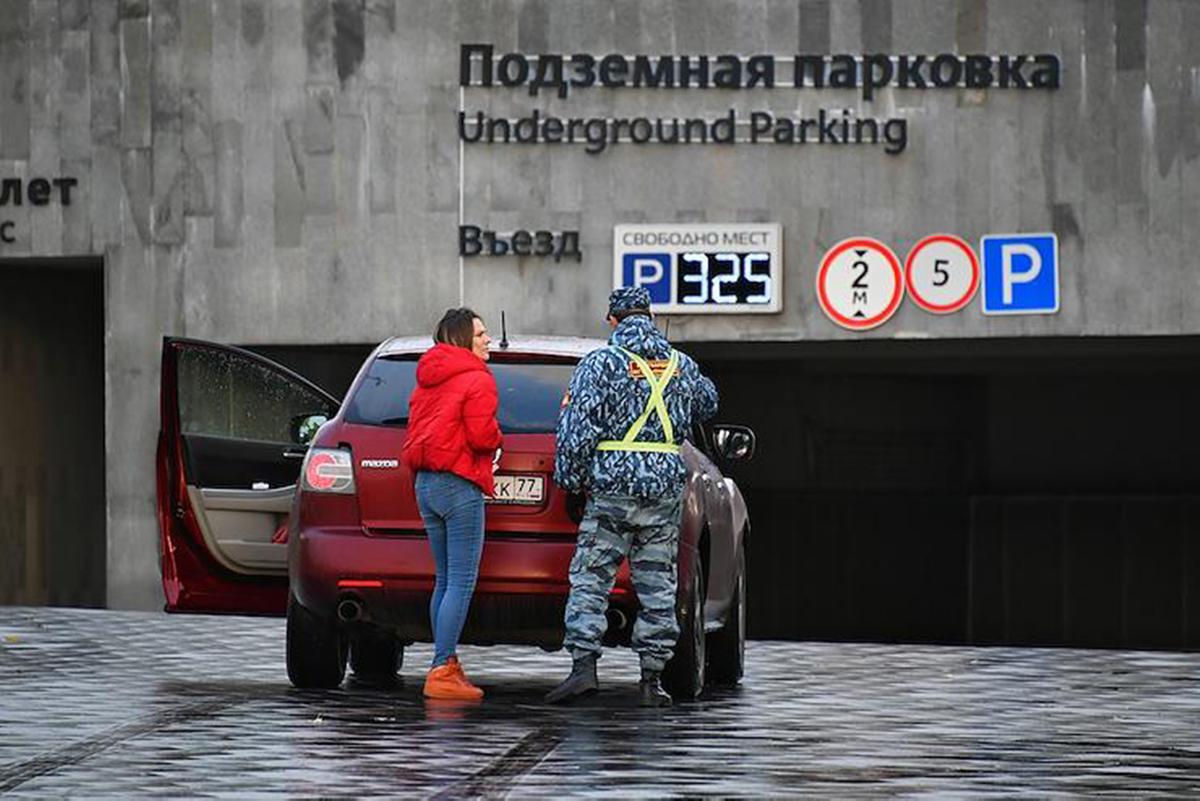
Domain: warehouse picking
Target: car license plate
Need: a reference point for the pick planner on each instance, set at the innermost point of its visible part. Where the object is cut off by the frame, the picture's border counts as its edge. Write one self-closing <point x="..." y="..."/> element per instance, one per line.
<point x="518" y="489"/>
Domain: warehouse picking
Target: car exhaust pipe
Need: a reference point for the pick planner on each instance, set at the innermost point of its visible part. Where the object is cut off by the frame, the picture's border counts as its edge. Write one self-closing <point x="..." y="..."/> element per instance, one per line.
<point x="616" y="620"/>
<point x="349" y="610"/>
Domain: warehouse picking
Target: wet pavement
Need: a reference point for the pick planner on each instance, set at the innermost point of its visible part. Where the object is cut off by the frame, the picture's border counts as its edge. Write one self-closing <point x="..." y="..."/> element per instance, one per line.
<point x="101" y="703"/>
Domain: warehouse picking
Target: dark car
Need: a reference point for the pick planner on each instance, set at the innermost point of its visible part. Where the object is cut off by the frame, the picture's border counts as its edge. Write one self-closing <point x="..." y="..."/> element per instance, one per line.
<point x="274" y="496"/>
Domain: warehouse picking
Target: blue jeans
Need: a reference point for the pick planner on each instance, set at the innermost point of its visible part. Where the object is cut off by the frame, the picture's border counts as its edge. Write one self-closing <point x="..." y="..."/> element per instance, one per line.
<point x="452" y="509"/>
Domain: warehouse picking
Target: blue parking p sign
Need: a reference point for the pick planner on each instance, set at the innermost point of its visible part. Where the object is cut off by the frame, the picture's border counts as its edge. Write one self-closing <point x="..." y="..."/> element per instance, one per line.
<point x="1020" y="273"/>
<point x="651" y="270"/>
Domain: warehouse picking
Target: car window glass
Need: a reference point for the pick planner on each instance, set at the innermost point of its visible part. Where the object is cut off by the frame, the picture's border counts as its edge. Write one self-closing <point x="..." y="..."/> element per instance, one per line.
<point x="382" y="396"/>
<point x="530" y="394"/>
<point x="224" y="394"/>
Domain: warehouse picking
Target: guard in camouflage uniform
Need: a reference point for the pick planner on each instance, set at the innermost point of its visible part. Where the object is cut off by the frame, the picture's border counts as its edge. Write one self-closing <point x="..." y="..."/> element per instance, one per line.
<point x="628" y="407"/>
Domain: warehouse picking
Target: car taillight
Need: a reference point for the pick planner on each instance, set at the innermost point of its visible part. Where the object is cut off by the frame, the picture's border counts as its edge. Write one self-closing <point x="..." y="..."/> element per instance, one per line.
<point x="328" y="470"/>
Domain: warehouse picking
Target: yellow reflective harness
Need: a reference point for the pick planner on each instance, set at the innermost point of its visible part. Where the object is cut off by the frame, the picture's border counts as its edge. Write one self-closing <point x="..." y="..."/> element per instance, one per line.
<point x="656" y="404"/>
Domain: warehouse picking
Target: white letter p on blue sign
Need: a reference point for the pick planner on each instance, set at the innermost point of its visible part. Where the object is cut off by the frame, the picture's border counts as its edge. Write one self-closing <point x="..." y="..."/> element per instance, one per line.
<point x="647" y="271"/>
<point x="1020" y="273"/>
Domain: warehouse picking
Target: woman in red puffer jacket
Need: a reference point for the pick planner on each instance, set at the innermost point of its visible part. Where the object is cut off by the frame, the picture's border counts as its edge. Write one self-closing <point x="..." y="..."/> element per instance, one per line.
<point x="450" y="446"/>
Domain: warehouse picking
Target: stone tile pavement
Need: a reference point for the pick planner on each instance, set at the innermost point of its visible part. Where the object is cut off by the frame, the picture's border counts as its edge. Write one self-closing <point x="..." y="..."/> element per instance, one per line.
<point x="114" y="704"/>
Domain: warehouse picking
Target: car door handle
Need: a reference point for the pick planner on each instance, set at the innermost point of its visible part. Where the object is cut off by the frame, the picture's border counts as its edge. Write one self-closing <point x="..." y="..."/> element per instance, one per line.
<point x="294" y="453"/>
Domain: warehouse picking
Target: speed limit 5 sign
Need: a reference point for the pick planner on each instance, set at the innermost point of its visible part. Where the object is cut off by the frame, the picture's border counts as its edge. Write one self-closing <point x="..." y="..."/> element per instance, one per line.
<point x="942" y="273"/>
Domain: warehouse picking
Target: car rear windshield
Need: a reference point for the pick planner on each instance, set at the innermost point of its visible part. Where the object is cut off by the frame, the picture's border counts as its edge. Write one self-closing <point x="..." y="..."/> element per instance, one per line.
<point x="530" y="394"/>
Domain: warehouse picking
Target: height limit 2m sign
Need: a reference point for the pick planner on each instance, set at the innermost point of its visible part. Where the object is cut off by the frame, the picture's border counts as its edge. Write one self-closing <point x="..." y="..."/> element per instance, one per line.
<point x="860" y="283"/>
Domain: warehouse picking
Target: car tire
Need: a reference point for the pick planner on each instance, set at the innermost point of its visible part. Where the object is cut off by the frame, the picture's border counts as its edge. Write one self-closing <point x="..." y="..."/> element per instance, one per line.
<point x="727" y="647"/>
<point x="316" y="649"/>
<point x="376" y="655"/>
<point x="684" y="675"/>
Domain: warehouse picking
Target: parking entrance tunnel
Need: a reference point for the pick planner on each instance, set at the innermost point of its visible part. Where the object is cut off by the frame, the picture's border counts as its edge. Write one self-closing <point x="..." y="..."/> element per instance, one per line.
<point x="1023" y="492"/>
<point x="52" y="514"/>
<point x="1003" y="491"/>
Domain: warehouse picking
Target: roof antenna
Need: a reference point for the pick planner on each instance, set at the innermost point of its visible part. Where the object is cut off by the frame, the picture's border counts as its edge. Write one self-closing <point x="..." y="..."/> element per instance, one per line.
<point x="503" y="332"/>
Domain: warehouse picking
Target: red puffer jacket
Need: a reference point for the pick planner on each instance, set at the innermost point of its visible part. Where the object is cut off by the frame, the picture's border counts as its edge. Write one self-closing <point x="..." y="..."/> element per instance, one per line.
<point x="452" y="416"/>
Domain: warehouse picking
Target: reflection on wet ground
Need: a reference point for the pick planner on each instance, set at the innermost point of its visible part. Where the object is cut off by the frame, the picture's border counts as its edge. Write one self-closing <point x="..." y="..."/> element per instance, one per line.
<point x="117" y="703"/>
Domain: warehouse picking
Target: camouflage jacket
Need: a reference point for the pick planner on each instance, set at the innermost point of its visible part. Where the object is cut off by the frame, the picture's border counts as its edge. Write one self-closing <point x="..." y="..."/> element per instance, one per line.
<point x="606" y="395"/>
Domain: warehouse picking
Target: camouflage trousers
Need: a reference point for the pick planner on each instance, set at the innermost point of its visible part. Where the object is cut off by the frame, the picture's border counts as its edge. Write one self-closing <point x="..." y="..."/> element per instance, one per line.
<point x="647" y="531"/>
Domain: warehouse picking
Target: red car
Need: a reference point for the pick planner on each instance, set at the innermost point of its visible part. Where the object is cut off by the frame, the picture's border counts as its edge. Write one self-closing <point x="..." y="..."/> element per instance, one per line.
<point x="274" y="496"/>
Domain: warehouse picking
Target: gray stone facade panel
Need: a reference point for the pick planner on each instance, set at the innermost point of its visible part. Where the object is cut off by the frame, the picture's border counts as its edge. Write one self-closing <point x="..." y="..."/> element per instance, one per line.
<point x="14" y="80"/>
<point x="136" y="82"/>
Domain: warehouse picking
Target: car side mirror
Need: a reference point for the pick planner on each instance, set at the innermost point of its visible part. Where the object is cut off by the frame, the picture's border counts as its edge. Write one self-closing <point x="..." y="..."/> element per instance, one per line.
<point x="304" y="427"/>
<point x="733" y="443"/>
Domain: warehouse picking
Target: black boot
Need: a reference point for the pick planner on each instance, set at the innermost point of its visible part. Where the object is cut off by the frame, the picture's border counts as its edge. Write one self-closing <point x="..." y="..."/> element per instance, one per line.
<point x="651" y="690"/>
<point x="582" y="681"/>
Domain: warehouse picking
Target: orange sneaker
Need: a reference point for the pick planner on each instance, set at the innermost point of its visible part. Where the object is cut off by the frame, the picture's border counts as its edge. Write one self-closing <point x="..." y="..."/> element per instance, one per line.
<point x="458" y="666"/>
<point x="448" y="682"/>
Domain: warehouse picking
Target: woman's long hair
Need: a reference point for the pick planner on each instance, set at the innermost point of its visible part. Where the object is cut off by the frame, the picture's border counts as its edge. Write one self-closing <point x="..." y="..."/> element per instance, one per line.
<point x="457" y="327"/>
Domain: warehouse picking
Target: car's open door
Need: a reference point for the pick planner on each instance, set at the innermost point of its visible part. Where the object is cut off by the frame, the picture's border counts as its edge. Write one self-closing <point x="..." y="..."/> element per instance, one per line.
<point x="229" y="454"/>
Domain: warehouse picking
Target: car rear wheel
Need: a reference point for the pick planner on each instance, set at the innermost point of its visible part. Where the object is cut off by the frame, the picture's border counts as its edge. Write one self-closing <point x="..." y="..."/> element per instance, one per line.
<point x="316" y="649"/>
<point x="376" y="655"/>
<point x="727" y="647"/>
<point x="683" y="677"/>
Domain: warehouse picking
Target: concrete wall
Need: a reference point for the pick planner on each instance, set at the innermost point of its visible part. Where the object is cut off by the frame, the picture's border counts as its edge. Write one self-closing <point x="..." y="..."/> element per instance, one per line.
<point x="269" y="171"/>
